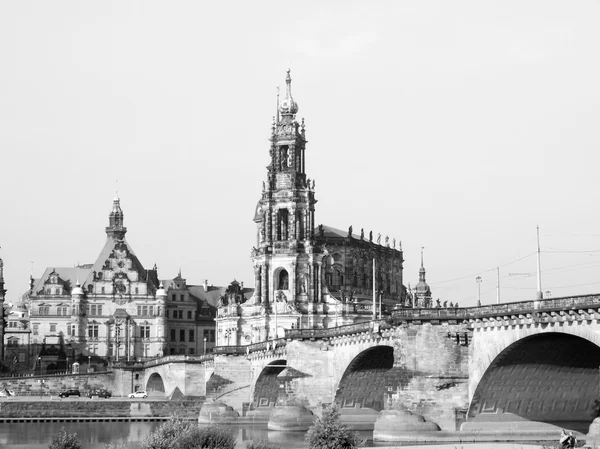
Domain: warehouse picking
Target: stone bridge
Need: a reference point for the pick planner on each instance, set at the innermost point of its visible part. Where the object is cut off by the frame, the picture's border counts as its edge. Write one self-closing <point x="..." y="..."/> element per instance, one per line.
<point x="535" y="359"/>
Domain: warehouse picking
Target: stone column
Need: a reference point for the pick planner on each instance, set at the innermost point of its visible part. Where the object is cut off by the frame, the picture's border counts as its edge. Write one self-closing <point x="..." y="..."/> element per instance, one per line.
<point x="292" y="281"/>
<point x="265" y="284"/>
<point x="257" y="284"/>
<point x="292" y="225"/>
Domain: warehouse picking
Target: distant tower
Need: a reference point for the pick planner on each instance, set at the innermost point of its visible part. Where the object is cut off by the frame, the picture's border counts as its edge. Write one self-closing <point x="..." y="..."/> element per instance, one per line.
<point x="2" y="296"/>
<point x="286" y="258"/>
<point x="422" y="290"/>
<point x="115" y="228"/>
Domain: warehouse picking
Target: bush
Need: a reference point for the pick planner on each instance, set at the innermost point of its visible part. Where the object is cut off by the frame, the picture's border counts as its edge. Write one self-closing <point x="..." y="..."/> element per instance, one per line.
<point x="166" y="435"/>
<point x="211" y="437"/>
<point x="179" y="434"/>
<point x="329" y="433"/>
<point x="261" y="445"/>
<point x="64" y="440"/>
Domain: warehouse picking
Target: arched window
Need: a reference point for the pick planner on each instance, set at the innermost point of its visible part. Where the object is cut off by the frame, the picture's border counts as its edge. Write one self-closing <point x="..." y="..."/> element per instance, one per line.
<point x="283" y="282"/>
<point x="282" y="224"/>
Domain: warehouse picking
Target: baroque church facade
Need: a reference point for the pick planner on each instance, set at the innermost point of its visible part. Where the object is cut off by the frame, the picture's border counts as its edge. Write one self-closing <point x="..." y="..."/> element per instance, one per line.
<point x="306" y="276"/>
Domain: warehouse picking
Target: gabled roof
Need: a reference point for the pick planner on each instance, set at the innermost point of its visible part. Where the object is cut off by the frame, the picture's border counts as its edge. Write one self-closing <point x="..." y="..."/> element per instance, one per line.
<point x="69" y="275"/>
<point x="109" y="246"/>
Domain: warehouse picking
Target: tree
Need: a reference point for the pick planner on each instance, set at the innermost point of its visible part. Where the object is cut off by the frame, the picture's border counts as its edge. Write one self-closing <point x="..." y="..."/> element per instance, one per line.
<point x="64" y="440"/>
<point x="329" y="433"/>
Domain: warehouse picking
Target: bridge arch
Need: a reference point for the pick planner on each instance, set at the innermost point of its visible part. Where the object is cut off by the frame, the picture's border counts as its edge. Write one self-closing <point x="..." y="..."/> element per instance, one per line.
<point x="549" y="376"/>
<point x="267" y="388"/>
<point x="364" y="379"/>
<point x="155" y="385"/>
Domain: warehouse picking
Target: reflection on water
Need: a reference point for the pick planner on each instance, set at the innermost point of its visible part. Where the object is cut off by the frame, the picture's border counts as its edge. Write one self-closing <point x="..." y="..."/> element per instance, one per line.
<point x="97" y="435"/>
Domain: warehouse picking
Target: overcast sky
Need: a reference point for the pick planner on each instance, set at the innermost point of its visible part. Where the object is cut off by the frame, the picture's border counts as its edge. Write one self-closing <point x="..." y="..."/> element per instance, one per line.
<point x="454" y="125"/>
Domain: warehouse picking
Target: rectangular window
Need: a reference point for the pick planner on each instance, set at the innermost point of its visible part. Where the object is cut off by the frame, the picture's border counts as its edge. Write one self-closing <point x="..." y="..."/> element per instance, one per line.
<point x="192" y="336"/>
<point x="173" y="335"/>
<point x="145" y="310"/>
<point x="174" y="297"/>
<point x="93" y="331"/>
<point x="181" y="297"/>
<point x="44" y="310"/>
<point x="191" y="351"/>
<point x="102" y="290"/>
<point x="95" y="309"/>
<point x="68" y="328"/>
<point x="52" y="327"/>
<point x="189" y="314"/>
<point x="35" y="328"/>
<point x="167" y="314"/>
<point x="172" y="351"/>
<point x="62" y="310"/>
<point x="145" y="332"/>
<point x="181" y="334"/>
<point x="212" y="336"/>
<point x="93" y="349"/>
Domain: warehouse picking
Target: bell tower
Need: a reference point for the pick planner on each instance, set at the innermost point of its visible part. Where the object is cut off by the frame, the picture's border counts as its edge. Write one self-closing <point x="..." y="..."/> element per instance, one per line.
<point x="286" y="262"/>
<point x="115" y="228"/>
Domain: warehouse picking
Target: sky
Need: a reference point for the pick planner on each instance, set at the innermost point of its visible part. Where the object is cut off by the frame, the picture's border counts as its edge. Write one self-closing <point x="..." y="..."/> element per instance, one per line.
<point x="454" y="126"/>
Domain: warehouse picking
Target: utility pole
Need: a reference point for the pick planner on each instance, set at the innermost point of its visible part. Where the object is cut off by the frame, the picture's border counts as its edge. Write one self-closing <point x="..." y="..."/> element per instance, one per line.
<point x="540" y="294"/>
<point x="497" y="285"/>
<point x="478" y="280"/>
<point x="374" y="293"/>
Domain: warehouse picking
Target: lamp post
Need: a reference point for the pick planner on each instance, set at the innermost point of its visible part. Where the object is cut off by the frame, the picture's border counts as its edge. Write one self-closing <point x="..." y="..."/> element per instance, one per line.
<point x="39" y="360"/>
<point x="89" y="362"/>
<point x="204" y="345"/>
<point x="478" y="279"/>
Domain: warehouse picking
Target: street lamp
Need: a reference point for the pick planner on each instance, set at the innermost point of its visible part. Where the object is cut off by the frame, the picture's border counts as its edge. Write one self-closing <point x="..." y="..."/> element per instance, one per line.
<point x="39" y="360"/>
<point x="89" y="362"/>
<point x="204" y="346"/>
<point x="478" y="279"/>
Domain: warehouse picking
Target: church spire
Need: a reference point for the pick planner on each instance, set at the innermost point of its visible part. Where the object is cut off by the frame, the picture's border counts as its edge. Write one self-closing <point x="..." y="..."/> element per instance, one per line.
<point x="422" y="269"/>
<point x="288" y="106"/>
<point x="115" y="228"/>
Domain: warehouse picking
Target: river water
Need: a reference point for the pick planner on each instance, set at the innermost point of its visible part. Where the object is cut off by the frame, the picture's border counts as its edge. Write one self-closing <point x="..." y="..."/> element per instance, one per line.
<point x="96" y="435"/>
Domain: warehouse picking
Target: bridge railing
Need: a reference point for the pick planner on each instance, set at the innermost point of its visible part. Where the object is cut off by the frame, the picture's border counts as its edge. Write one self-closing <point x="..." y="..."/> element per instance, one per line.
<point x="511" y="308"/>
<point x="334" y="331"/>
<point x="254" y="347"/>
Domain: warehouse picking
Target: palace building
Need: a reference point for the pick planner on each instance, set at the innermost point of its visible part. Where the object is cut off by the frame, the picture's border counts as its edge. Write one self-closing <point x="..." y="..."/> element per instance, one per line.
<point x="306" y="276"/>
<point x="115" y="309"/>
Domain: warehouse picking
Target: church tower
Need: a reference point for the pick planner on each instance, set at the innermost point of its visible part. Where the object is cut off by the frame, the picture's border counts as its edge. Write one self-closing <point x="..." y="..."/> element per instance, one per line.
<point x="422" y="291"/>
<point x="287" y="261"/>
<point x="2" y="296"/>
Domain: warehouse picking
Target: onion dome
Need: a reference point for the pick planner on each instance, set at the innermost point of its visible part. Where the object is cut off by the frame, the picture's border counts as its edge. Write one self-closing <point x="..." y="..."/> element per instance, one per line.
<point x="161" y="291"/>
<point x="288" y="106"/>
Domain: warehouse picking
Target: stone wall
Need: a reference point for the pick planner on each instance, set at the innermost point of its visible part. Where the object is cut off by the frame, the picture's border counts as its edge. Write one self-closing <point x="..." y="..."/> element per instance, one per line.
<point x="231" y="381"/>
<point x="430" y="373"/>
<point x="97" y="408"/>
<point x="53" y="385"/>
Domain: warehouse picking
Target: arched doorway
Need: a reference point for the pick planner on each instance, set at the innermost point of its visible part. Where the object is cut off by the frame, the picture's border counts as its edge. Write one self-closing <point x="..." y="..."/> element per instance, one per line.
<point x="267" y="390"/>
<point x="551" y="377"/>
<point x="364" y="381"/>
<point x="155" y="385"/>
